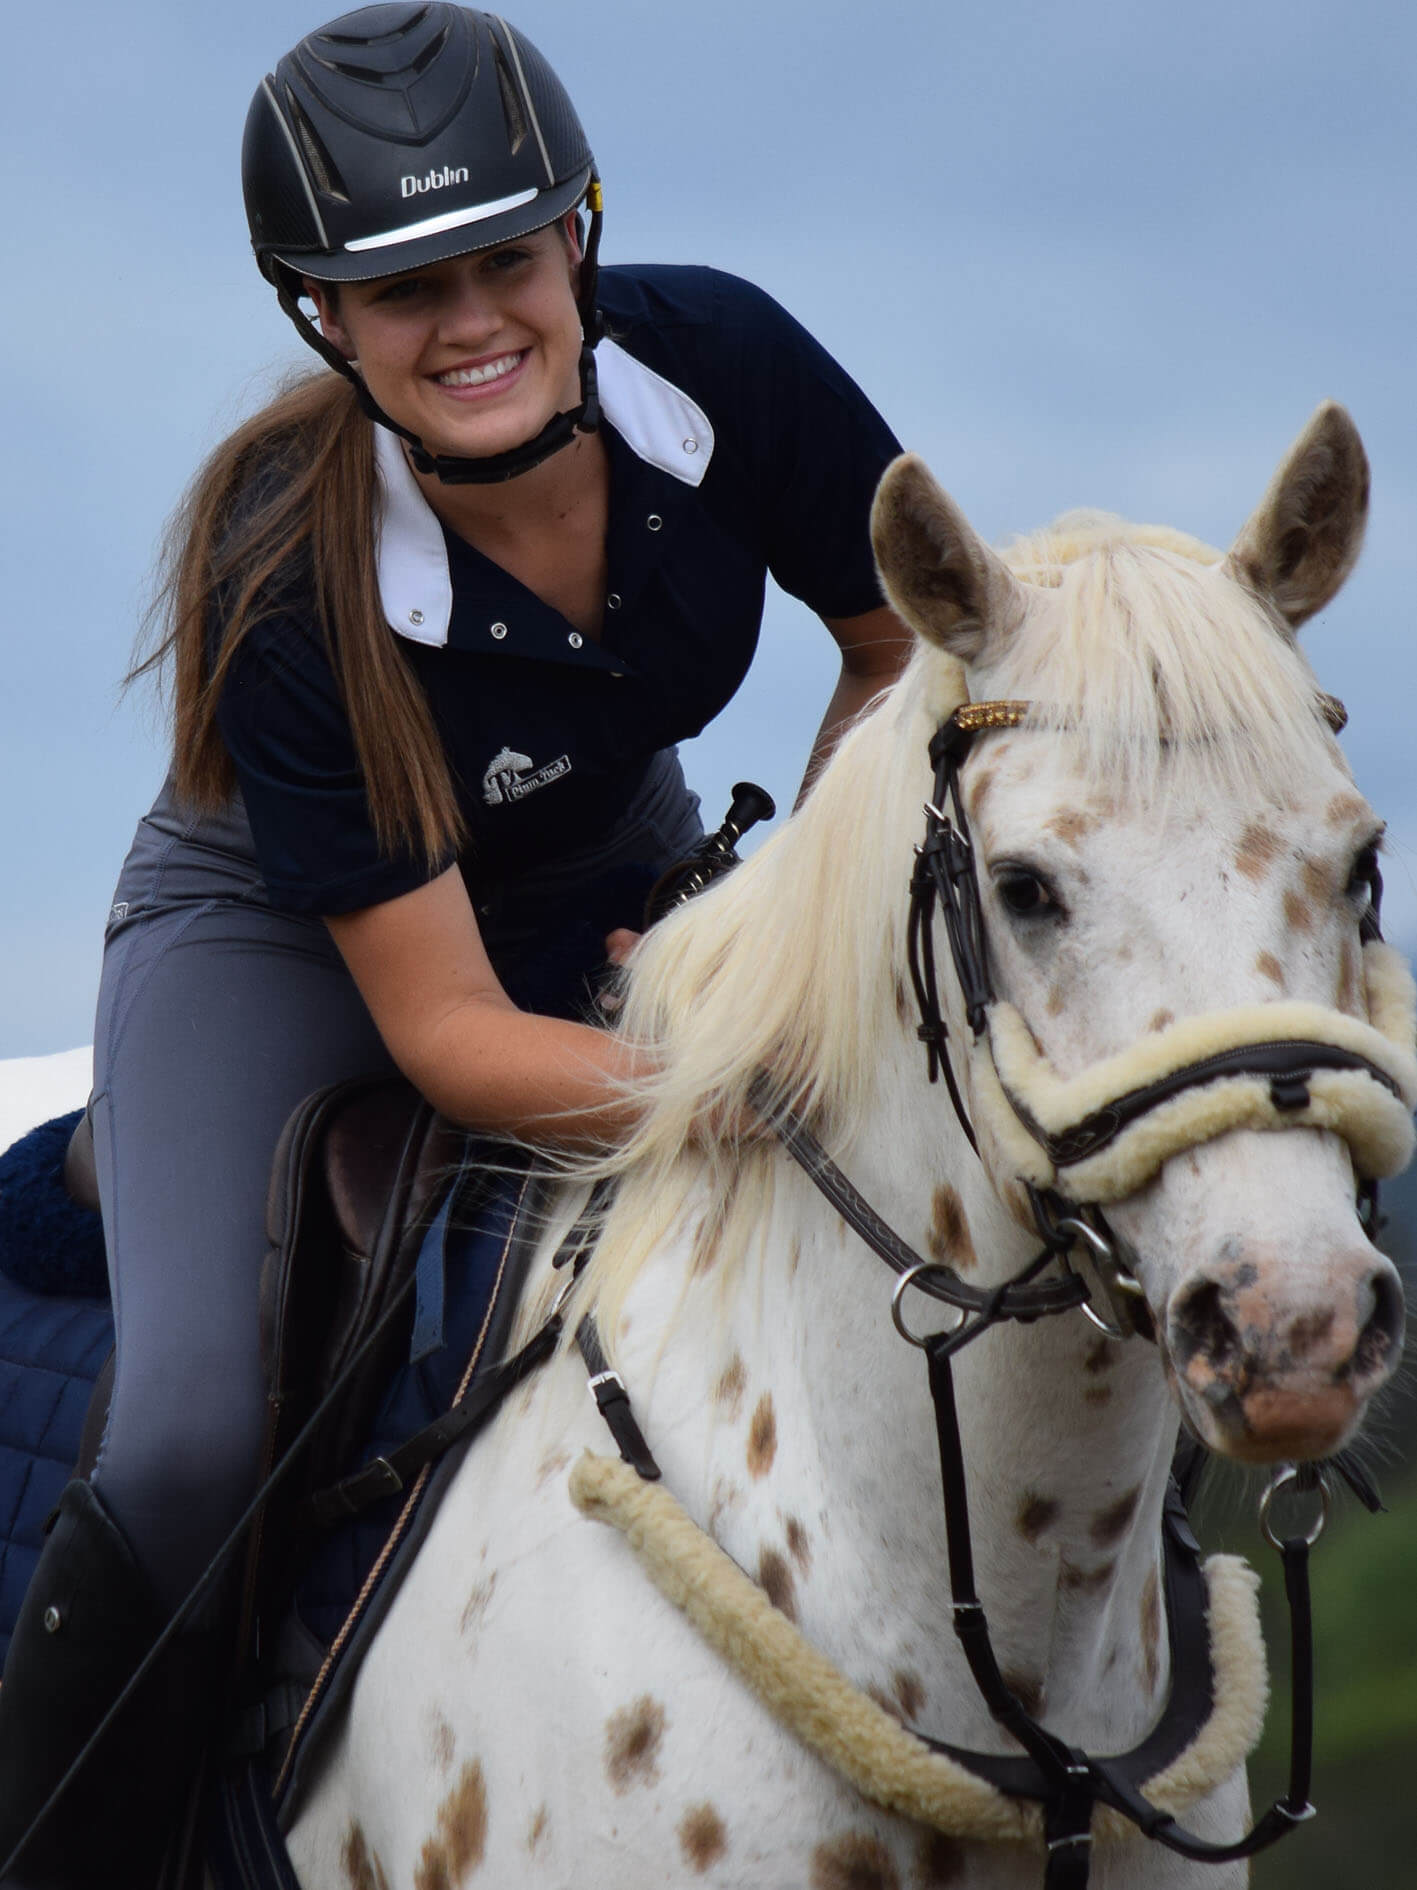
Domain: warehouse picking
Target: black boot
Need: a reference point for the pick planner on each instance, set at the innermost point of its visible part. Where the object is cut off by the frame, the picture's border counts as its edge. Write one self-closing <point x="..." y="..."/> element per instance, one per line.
<point x="88" y="1619"/>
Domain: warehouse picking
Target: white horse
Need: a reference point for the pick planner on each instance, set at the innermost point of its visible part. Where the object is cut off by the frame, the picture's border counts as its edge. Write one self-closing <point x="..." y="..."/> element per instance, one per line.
<point x="588" y="1680"/>
<point x="1172" y="859"/>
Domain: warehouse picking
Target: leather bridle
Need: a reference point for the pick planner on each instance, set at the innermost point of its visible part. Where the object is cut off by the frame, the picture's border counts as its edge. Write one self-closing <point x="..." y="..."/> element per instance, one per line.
<point x="1068" y="1782"/>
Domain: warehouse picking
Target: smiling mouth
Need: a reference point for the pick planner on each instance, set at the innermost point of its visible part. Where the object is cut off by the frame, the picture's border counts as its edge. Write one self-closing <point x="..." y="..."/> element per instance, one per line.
<point x="481" y="376"/>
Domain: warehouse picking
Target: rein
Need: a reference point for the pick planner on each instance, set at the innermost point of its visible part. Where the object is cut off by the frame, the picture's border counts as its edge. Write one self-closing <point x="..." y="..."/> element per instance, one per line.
<point x="1068" y="1782"/>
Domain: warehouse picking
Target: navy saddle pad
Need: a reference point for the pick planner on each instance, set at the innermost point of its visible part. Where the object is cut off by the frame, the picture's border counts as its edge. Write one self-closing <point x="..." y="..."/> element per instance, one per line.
<point x="54" y="1341"/>
<point x="55" y="1332"/>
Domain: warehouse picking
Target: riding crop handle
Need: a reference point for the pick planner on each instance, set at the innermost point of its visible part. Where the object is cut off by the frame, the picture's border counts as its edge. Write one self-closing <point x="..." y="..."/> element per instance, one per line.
<point x="750" y="805"/>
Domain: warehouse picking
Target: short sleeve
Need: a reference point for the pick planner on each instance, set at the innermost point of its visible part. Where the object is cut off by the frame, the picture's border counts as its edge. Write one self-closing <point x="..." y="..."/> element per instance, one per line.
<point x="284" y="724"/>
<point x="814" y="452"/>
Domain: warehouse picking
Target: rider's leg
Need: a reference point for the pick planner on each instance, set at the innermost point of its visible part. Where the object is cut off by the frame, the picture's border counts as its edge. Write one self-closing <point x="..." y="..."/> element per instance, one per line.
<point x="216" y="1017"/>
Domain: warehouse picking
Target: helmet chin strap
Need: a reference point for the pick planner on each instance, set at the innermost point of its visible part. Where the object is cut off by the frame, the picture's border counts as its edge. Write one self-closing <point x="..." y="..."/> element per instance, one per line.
<point x="493" y="468"/>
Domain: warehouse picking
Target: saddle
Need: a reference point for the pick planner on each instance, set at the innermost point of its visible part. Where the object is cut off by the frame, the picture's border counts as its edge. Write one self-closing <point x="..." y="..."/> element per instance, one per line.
<point x="374" y="1199"/>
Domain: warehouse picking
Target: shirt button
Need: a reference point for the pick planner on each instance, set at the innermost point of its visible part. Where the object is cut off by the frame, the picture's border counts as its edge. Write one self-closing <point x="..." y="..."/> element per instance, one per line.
<point x="575" y="639"/>
<point x="691" y="446"/>
<point x="499" y="630"/>
<point x="654" y="521"/>
<point x="613" y="601"/>
<point x="415" y="616"/>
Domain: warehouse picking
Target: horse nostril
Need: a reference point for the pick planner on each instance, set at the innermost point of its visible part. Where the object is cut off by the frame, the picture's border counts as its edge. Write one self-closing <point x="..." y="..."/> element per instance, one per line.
<point x="1381" y="1337"/>
<point x="1200" y="1324"/>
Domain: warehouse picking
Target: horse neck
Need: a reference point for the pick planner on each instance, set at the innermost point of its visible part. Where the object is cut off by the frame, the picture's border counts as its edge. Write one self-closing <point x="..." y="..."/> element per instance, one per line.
<point x="805" y="1439"/>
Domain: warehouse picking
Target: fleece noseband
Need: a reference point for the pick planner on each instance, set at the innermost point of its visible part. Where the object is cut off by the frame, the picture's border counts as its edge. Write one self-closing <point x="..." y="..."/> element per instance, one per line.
<point x="1100" y="1135"/>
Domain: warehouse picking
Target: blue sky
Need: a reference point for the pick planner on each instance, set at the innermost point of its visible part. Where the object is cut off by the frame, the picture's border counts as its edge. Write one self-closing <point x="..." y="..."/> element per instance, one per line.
<point x="1105" y="255"/>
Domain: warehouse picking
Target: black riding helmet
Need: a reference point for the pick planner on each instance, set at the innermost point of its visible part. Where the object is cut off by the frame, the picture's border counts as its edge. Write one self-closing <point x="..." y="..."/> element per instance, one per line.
<point x="402" y="135"/>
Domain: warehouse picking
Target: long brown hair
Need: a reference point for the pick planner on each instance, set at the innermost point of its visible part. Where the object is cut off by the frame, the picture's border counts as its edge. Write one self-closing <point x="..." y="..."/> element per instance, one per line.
<point x="295" y="485"/>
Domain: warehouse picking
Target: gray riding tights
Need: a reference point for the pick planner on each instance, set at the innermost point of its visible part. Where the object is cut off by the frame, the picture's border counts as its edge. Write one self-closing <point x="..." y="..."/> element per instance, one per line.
<point x="216" y="1016"/>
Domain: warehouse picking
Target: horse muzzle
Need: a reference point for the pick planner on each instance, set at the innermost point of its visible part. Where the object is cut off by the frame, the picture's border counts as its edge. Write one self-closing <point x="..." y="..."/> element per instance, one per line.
<point x="1268" y="1373"/>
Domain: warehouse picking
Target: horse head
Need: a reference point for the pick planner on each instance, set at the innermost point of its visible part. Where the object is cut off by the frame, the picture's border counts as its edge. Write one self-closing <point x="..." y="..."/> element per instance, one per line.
<point x="1176" y="884"/>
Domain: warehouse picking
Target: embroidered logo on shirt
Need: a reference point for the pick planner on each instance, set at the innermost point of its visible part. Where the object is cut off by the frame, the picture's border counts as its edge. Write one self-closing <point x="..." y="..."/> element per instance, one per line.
<point x="509" y="777"/>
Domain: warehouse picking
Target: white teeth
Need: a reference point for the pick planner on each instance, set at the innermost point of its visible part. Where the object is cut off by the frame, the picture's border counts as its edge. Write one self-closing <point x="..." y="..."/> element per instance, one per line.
<point x="478" y="376"/>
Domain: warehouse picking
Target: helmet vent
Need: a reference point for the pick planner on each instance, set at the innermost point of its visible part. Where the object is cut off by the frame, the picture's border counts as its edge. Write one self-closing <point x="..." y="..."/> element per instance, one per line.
<point x="512" y="108"/>
<point x="318" y="162"/>
<point x="404" y="27"/>
<point x="430" y="52"/>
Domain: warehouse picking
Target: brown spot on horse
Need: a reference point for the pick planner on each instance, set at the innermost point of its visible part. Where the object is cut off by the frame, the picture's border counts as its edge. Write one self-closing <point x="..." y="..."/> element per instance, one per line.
<point x="551" y="1466"/>
<point x="904" y="1001"/>
<point x="1071" y="825"/>
<point x="1259" y="848"/>
<point x="1099" y="1357"/>
<point x="725" y="1496"/>
<point x="762" y="1437"/>
<point x="1027" y="1689"/>
<point x="362" y="1868"/>
<point x="799" y="1545"/>
<point x="1151" y="1631"/>
<point x="708" y="1236"/>
<point x="777" y="1582"/>
<point x="1097" y="1394"/>
<point x="455" y="1850"/>
<point x="633" y="1737"/>
<point x="1110" y="1524"/>
<point x="477" y="1604"/>
<point x="1086" y="1581"/>
<point x="444" y="1742"/>
<point x="1344" y="809"/>
<point x="910" y="1691"/>
<point x="1268" y="966"/>
<point x="939" y="1862"/>
<point x="979" y="786"/>
<point x="537" y="1829"/>
<point x="949" y="1237"/>
<point x="1035" y="1514"/>
<point x="1310" y="1330"/>
<point x="1317" y="881"/>
<point x="702" y="1837"/>
<point x="855" y="1861"/>
<point x="732" y="1382"/>
<point x="885" y="1702"/>
<point x="1162" y="1020"/>
<point x="1298" y="914"/>
<point x="1352" y="997"/>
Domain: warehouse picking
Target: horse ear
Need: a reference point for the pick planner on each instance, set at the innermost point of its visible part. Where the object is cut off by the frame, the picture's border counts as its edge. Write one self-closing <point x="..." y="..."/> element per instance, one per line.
<point x="937" y="572"/>
<point x="1305" y="537"/>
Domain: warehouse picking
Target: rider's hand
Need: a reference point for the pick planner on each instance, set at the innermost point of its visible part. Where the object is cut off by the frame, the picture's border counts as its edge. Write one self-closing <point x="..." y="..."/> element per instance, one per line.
<point x="620" y="944"/>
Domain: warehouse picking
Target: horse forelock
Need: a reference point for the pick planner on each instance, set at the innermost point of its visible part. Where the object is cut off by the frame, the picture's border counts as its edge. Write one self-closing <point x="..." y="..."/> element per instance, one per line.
<point x="1157" y="665"/>
<point x="1165" y="672"/>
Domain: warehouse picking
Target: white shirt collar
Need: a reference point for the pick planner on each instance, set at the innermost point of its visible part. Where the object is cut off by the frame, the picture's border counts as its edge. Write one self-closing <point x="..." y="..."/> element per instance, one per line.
<point x="656" y="420"/>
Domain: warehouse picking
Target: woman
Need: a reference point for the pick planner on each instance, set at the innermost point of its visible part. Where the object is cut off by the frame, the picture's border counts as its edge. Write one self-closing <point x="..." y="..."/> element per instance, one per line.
<point x="437" y="621"/>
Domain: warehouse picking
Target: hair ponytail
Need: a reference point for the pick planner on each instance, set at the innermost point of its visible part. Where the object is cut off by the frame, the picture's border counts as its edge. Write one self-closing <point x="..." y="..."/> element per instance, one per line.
<point x="296" y="484"/>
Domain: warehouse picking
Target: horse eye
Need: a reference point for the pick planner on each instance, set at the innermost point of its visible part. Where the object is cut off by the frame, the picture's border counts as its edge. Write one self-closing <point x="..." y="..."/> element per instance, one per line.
<point x="1362" y="882"/>
<point x="1024" y="894"/>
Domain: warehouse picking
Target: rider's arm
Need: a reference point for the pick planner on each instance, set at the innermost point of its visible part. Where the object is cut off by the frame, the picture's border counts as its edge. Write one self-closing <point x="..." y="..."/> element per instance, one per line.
<point x="874" y="647"/>
<point x="423" y="971"/>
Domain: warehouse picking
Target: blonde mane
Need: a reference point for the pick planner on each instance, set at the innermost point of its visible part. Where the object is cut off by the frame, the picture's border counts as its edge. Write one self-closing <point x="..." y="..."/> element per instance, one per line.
<point x="1157" y="661"/>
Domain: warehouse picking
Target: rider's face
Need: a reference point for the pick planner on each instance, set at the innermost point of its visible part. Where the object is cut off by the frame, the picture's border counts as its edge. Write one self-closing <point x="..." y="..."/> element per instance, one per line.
<point x="475" y="354"/>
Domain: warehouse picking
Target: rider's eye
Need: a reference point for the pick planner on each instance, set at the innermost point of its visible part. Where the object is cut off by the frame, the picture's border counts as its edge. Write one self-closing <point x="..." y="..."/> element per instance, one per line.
<point x="1024" y="894"/>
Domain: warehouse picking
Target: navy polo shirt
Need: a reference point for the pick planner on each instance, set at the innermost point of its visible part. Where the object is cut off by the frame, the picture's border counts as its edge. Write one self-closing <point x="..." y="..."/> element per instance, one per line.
<point x="737" y="447"/>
